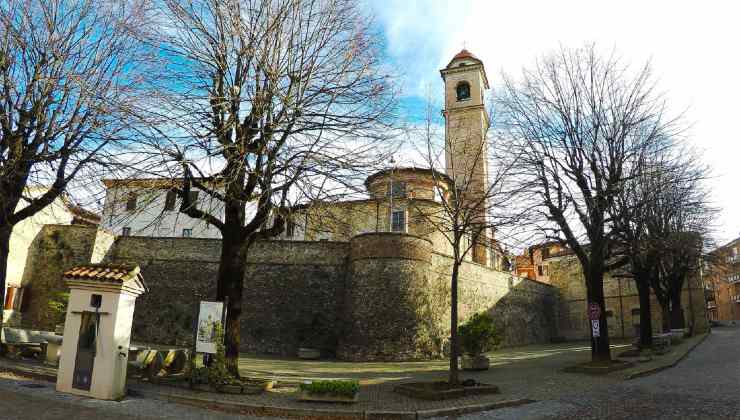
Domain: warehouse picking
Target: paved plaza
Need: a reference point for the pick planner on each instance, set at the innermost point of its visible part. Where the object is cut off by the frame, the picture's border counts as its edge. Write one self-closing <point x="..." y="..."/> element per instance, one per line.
<point x="703" y="386"/>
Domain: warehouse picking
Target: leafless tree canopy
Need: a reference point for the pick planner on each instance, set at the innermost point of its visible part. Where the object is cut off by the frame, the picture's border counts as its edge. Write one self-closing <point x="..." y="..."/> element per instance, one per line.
<point x="263" y="103"/>
<point x="475" y="204"/>
<point x="578" y="122"/>
<point x="269" y="97"/>
<point x="659" y="222"/>
<point x="67" y="77"/>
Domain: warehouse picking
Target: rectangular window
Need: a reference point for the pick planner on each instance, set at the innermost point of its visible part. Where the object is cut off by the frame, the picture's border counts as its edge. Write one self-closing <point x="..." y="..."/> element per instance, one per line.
<point x="540" y="271"/>
<point x="398" y="189"/>
<point x="169" y="202"/>
<point x="131" y="201"/>
<point x="399" y="221"/>
<point x="187" y="233"/>
<point x="126" y="231"/>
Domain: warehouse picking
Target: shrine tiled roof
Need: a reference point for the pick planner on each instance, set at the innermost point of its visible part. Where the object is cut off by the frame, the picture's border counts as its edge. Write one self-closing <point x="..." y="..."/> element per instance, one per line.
<point x="127" y="276"/>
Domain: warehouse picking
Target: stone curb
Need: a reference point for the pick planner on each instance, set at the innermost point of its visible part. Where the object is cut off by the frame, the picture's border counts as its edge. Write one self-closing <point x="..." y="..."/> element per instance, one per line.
<point x="272" y="411"/>
<point x="466" y="409"/>
<point x="657" y="369"/>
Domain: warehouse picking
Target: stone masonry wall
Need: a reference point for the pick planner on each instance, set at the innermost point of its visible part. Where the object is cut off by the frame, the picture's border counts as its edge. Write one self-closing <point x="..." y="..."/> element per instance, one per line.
<point x="291" y="290"/>
<point x="523" y="310"/>
<point x="388" y="301"/>
<point x="622" y="303"/>
<point x="55" y="249"/>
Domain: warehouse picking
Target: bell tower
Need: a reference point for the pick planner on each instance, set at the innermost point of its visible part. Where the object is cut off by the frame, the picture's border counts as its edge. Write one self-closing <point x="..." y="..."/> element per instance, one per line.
<point x="466" y="122"/>
<point x="466" y="153"/>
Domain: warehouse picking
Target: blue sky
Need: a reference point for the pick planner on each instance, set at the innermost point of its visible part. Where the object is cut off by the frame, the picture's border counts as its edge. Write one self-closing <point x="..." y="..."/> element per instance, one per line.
<point x="692" y="47"/>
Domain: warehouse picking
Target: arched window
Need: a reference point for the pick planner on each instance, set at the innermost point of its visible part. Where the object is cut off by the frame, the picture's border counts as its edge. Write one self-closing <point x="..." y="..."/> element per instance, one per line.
<point x="463" y="91"/>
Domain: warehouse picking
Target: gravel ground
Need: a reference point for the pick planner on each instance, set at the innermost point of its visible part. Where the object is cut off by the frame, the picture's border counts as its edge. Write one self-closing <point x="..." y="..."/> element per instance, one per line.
<point x="706" y="385"/>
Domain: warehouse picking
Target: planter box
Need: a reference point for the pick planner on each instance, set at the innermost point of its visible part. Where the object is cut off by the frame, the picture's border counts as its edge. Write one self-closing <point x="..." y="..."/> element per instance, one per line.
<point x="476" y="363"/>
<point x="438" y="391"/>
<point x="307" y="396"/>
<point x="599" y="368"/>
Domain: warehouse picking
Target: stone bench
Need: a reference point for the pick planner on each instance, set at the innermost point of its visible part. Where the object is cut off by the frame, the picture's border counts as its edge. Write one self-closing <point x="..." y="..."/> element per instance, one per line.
<point x="27" y="343"/>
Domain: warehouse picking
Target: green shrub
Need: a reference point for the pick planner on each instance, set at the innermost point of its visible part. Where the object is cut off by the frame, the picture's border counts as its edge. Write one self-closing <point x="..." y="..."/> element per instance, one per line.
<point x="341" y="388"/>
<point x="478" y="335"/>
<point x="218" y="373"/>
<point x="58" y="306"/>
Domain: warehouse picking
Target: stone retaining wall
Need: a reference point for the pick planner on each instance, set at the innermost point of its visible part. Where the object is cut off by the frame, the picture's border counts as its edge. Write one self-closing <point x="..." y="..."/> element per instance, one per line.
<point x="380" y="296"/>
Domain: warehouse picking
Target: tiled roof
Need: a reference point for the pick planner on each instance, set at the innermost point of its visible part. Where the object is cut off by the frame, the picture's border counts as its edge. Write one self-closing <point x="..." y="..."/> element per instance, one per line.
<point x="462" y="55"/>
<point x="103" y="272"/>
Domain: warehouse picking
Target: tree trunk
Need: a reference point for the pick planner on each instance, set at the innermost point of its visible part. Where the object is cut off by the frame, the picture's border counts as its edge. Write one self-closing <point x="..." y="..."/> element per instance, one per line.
<point x="5" y="231"/>
<point x="677" y="318"/>
<point x="646" y="319"/>
<point x="595" y="291"/>
<point x="454" y="374"/>
<point x="666" y="315"/>
<point x="231" y="284"/>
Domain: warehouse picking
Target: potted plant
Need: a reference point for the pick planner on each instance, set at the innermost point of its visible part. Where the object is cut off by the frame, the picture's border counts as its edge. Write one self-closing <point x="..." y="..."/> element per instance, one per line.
<point x="346" y="391"/>
<point x="477" y="336"/>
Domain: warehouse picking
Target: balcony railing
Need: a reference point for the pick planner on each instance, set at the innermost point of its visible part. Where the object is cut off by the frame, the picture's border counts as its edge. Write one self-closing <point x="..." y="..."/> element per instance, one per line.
<point x="733" y="258"/>
<point x="735" y="298"/>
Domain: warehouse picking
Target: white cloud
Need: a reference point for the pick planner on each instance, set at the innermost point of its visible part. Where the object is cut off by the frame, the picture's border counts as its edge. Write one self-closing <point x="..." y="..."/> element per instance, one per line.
<point x="692" y="46"/>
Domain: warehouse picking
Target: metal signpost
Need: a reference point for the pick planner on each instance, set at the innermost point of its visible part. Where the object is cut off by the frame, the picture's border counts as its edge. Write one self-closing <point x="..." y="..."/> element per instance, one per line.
<point x="594" y="313"/>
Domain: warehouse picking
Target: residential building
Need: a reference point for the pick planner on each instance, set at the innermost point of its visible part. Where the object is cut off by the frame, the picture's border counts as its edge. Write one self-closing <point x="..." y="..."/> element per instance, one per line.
<point x="722" y="279"/>
<point x="151" y="207"/>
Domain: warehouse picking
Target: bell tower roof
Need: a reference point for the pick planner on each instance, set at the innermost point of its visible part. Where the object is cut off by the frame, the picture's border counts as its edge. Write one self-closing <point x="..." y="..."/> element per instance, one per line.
<point x="465" y="60"/>
<point x="462" y="55"/>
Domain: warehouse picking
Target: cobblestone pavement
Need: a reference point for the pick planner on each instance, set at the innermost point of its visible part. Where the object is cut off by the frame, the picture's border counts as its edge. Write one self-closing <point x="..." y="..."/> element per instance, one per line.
<point x="22" y="399"/>
<point x="706" y="385"/>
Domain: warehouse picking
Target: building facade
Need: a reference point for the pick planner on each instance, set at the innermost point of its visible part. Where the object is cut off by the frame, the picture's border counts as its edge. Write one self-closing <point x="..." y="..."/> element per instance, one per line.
<point x="150" y="207"/>
<point x="722" y="272"/>
<point x="60" y="211"/>
<point x="554" y="264"/>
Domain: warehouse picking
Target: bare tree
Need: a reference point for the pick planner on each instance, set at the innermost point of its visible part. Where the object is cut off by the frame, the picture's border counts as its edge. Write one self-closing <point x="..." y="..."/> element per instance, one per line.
<point x="642" y="197"/>
<point x="264" y="104"/>
<point x="67" y="77"/>
<point x="678" y="223"/>
<point x="576" y="122"/>
<point x="473" y="203"/>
